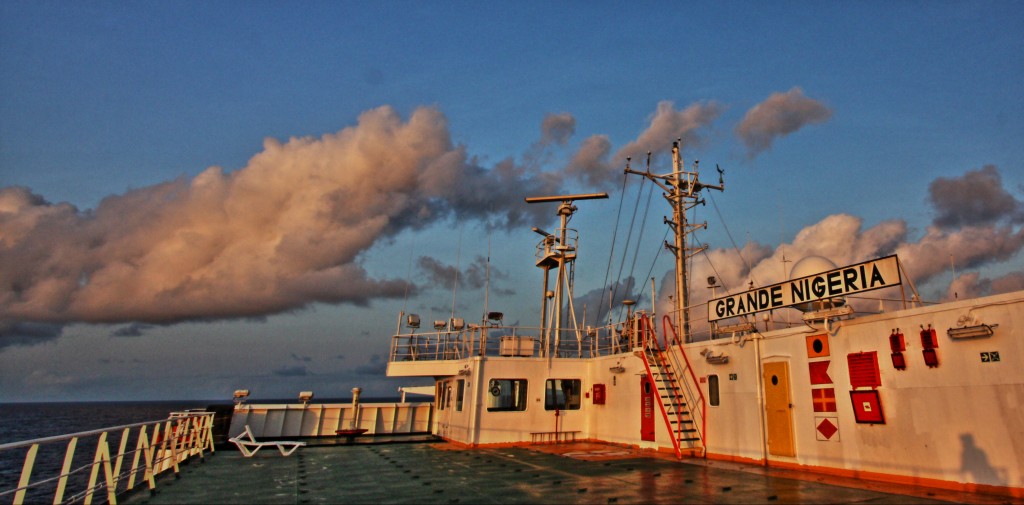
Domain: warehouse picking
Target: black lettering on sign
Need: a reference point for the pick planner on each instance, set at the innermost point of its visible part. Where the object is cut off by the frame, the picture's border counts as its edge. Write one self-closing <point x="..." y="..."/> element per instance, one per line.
<point x="876" y="276"/>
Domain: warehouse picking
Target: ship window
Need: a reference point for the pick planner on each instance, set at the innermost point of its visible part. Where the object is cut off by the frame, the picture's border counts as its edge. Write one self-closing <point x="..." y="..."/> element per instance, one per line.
<point x="562" y="394"/>
<point x="713" y="397"/>
<point x="460" y="392"/>
<point x="505" y="395"/>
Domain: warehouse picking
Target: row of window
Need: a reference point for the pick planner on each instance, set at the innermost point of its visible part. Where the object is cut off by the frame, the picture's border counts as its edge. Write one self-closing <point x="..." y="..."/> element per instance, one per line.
<point x="509" y="395"/>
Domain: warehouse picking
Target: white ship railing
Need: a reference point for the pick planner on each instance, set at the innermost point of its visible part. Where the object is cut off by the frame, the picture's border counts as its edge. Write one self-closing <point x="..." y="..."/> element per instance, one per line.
<point x="518" y="341"/>
<point x="280" y="421"/>
<point x="160" y="446"/>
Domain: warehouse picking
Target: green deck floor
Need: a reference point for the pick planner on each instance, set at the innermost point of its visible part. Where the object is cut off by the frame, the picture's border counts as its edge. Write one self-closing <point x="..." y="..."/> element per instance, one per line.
<point x="423" y="473"/>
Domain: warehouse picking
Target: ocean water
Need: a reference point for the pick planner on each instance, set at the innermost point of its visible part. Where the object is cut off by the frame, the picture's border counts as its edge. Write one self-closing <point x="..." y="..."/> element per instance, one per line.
<point x="27" y="421"/>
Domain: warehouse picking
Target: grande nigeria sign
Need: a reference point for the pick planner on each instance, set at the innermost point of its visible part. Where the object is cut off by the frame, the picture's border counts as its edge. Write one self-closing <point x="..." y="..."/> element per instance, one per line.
<point x="874" y="274"/>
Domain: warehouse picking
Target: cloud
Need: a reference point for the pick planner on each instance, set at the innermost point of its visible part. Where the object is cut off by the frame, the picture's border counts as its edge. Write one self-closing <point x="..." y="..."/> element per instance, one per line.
<point x="132" y="330"/>
<point x="375" y="368"/>
<point x="474" y="276"/>
<point x="304" y="359"/>
<point x="779" y="115"/>
<point x="594" y="164"/>
<point x="291" y="371"/>
<point x="590" y="163"/>
<point x="27" y="333"/>
<point x="277" y="235"/>
<point x="668" y="125"/>
<point x="843" y="239"/>
<point x="598" y="300"/>
<point x="976" y="198"/>
<point x="971" y="284"/>
<point x="557" y="128"/>
<point x="969" y="247"/>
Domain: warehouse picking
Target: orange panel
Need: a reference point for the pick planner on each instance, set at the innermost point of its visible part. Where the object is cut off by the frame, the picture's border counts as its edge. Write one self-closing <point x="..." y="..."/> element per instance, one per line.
<point x="817" y="346"/>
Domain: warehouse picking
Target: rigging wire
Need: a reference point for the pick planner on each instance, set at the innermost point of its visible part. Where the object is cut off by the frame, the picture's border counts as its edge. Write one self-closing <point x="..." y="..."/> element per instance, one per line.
<point x="455" y="282"/>
<point x="658" y="254"/>
<point x="640" y="237"/>
<point x="408" y="274"/>
<point x="750" y="269"/>
<point x="611" y="252"/>
<point x="643" y="226"/>
<point x="629" y="238"/>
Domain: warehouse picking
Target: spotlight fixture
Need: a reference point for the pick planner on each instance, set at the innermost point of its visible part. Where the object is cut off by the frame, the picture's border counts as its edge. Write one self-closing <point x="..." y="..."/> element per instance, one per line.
<point x="976" y="331"/>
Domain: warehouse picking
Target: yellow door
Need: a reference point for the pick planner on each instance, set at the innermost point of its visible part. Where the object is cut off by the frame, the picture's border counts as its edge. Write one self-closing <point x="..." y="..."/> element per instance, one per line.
<point x="779" y="409"/>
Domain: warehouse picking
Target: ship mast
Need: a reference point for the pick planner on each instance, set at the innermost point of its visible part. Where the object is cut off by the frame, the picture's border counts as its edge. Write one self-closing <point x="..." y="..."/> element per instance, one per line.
<point x="557" y="251"/>
<point x="682" y="191"/>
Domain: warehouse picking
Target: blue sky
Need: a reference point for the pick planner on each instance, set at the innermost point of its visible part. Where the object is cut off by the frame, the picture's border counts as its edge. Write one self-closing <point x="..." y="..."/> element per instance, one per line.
<point x="137" y="100"/>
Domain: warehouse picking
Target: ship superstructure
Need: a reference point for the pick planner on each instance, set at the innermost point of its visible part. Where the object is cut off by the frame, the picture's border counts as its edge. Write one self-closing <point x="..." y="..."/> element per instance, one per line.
<point x="927" y="394"/>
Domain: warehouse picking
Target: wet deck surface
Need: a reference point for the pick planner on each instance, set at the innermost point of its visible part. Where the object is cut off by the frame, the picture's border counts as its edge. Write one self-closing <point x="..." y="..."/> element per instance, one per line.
<point x="566" y="473"/>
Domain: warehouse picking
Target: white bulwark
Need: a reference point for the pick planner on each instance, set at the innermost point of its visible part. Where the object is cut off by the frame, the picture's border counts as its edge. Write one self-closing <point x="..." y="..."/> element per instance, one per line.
<point x="874" y="274"/>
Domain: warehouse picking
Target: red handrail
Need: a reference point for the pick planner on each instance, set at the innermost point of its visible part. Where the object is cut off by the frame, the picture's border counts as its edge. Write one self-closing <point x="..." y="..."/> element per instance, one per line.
<point x="667" y="323"/>
<point x="649" y="334"/>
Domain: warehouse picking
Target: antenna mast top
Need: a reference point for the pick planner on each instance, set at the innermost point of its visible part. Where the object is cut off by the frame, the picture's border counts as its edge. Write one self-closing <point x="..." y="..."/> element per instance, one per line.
<point x="558" y="251"/>
<point x="682" y="190"/>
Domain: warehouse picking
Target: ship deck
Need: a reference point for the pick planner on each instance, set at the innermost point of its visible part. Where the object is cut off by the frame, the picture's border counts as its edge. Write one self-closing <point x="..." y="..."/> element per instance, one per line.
<point x="561" y="473"/>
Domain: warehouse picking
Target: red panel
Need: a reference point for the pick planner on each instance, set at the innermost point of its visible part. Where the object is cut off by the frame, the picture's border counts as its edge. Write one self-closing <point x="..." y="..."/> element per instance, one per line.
<point x="824" y="400"/>
<point x="897" y="342"/>
<point x="647" y="407"/>
<point x="599" y="394"/>
<point x="898" y="361"/>
<point x="864" y="371"/>
<point x="929" y="340"/>
<point x="930" y="358"/>
<point x="867" y="407"/>
<point x="827" y="427"/>
<point x="819" y="372"/>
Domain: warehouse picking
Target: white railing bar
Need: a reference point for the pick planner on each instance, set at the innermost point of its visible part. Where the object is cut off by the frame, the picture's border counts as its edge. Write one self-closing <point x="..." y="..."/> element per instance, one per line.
<point x="58" y="438"/>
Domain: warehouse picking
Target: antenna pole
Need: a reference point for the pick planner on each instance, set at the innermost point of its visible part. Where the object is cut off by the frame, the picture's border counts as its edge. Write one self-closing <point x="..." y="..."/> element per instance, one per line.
<point x="682" y="190"/>
<point x="557" y="251"/>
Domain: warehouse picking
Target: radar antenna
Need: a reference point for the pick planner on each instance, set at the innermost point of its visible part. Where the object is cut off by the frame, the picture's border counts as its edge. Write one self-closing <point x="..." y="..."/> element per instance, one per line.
<point x="558" y="251"/>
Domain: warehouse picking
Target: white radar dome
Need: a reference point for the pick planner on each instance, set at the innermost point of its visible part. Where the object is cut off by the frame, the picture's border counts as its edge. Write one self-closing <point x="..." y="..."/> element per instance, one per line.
<point x="812" y="265"/>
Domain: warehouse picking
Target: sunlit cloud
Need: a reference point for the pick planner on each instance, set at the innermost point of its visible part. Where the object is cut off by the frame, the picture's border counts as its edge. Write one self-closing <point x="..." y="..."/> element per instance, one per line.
<point x="779" y="115"/>
<point x="281" y="233"/>
<point x="596" y="165"/>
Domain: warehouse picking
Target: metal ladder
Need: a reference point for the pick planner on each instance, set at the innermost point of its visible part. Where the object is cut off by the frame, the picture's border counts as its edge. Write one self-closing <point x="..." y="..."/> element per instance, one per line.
<point x="672" y="394"/>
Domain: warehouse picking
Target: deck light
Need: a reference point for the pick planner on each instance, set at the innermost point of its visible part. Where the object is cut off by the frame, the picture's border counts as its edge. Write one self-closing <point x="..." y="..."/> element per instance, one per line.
<point x="981" y="330"/>
<point x="305" y="396"/>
